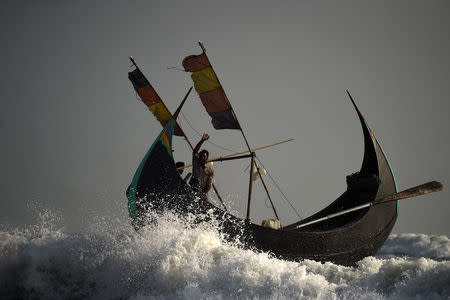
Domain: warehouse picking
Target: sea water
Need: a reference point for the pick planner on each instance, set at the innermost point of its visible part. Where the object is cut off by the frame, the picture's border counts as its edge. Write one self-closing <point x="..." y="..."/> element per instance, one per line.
<point x="177" y="260"/>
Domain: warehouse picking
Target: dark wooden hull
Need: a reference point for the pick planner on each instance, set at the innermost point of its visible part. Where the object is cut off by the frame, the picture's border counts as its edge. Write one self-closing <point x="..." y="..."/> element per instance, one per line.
<point x="343" y="240"/>
<point x="343" y="245"/>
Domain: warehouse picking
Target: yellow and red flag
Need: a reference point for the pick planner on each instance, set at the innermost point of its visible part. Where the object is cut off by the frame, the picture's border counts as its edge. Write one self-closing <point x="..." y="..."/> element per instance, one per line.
<point x="210" y="91"/>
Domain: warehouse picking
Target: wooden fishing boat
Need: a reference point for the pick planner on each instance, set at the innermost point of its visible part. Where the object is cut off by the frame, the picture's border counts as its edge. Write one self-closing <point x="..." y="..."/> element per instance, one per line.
<point x="349" y="229"/>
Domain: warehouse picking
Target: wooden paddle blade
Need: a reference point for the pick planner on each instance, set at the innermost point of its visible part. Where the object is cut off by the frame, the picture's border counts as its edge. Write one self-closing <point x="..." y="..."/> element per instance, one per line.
<point x="426" y="188"/>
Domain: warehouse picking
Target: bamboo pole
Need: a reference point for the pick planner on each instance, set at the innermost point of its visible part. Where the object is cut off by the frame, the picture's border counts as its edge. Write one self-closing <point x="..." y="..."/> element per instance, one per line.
<point x="241" y="152"/>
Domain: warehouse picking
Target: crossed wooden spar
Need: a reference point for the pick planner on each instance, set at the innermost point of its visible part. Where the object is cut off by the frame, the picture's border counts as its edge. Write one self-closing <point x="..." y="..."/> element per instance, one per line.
<point x="233" y="156"/>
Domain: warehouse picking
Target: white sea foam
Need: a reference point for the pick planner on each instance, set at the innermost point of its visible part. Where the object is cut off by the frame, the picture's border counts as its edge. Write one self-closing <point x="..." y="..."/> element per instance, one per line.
<point x="175" y="259"/>
<point x="417" y="245"/>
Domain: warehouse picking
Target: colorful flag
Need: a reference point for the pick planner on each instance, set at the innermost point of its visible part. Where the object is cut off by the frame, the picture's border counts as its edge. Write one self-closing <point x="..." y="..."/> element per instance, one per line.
<point x="210" y="91"/>
<point x="149" y="96"/>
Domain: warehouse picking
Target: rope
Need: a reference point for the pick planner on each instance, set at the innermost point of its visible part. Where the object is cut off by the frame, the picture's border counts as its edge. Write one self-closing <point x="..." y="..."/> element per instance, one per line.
<point x="176" y="68"/>
<point x="199" y="134"/>
<point x="279" y="189"/>
<point x="267" y="203"/>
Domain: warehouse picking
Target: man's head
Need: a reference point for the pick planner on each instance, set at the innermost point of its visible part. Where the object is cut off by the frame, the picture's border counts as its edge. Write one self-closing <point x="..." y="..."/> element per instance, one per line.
<point x="203" y="155"/>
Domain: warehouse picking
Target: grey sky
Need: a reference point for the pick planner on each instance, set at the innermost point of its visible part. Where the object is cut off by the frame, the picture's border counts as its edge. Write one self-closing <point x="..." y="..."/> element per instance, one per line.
<point x="73" y="132"/>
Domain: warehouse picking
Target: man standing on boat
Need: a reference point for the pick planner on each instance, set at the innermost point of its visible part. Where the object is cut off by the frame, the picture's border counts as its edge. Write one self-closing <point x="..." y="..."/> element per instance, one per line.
<point x="202" y="172"/>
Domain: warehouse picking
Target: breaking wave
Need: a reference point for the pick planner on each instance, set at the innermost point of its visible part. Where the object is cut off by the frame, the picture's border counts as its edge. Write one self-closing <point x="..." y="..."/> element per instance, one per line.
<point x="177" y="260"/>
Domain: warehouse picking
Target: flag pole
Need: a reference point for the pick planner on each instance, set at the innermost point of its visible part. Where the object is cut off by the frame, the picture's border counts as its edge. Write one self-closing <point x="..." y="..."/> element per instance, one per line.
<point x="245" y="139"/>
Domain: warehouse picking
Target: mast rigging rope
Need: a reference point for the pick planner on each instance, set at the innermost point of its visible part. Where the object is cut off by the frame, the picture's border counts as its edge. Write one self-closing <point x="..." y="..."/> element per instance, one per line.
<point x="199" y="134"/>
<point x="279" y="189"/>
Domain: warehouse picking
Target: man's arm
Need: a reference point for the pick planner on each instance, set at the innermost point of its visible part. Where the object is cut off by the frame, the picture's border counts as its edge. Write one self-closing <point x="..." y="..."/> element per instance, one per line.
<point x="200" y="143"/>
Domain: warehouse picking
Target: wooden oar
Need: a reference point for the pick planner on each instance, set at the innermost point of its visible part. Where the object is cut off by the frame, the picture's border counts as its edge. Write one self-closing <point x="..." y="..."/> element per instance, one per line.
<point x="237" y="153"/>
<point x="426" y="188"/>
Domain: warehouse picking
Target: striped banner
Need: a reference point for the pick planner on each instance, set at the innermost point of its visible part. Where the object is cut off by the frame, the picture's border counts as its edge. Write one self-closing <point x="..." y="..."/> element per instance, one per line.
<point x="151" y="98"/>
<point x="210" y="91"/>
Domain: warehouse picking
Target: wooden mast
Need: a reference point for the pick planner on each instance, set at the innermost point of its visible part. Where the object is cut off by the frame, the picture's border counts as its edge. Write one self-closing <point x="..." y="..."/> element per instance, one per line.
<point x="248" y="146"/>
